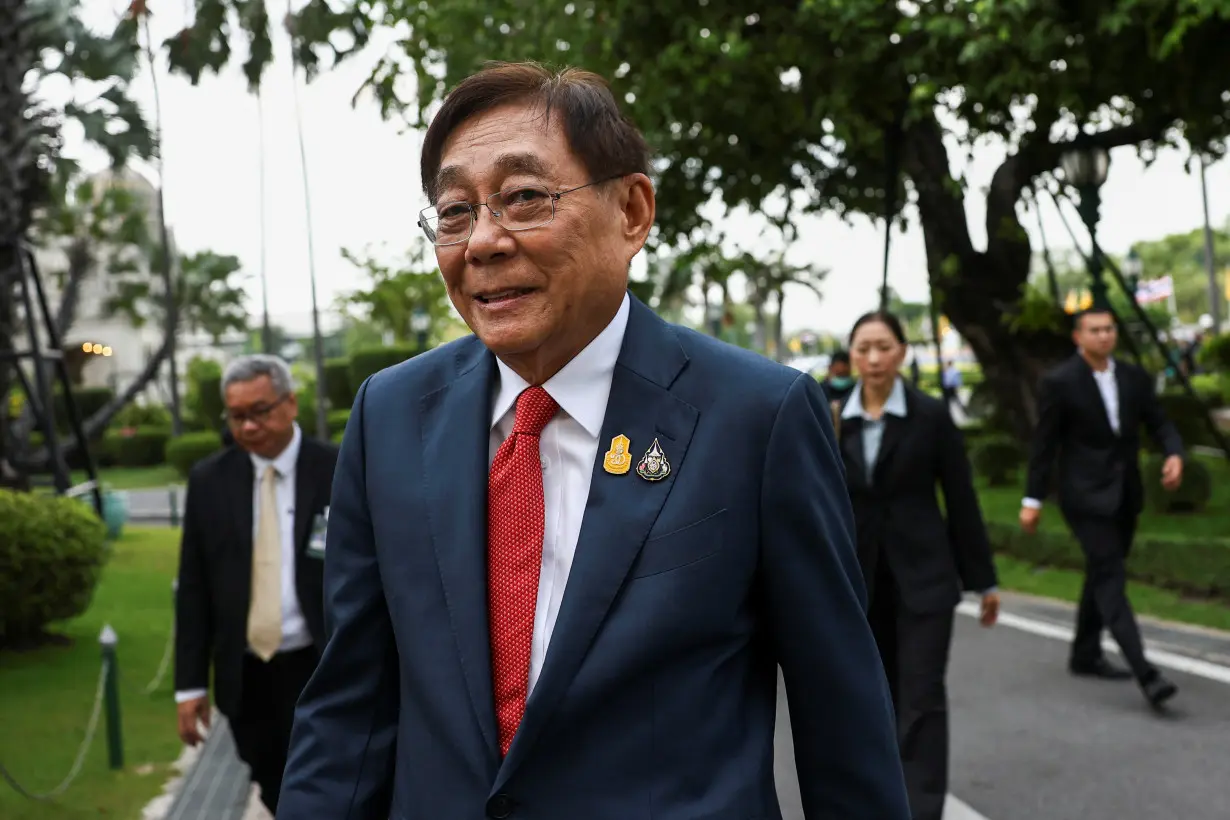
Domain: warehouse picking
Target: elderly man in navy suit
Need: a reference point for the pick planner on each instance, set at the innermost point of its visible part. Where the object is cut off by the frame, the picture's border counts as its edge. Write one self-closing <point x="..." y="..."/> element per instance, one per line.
<point x="567" y="555"/>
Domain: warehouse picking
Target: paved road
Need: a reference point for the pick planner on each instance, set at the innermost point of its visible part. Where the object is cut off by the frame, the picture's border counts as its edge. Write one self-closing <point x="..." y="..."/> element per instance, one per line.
<point x="1032" y="743"/>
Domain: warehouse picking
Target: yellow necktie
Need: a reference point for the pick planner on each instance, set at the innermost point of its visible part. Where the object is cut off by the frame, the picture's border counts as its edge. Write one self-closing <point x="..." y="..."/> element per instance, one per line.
<point x="265" y="610"/>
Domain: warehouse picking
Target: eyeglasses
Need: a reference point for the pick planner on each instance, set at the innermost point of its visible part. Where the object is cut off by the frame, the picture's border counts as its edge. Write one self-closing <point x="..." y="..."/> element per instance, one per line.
<point x="515" y="209"/>
<point x="258" y="414"/>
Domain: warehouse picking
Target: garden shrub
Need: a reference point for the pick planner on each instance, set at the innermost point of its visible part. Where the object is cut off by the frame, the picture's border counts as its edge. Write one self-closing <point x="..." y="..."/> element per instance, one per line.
<point x="186" y="450"/>
<point x="137" y="446"/>
<point x="366" y="361"/>
<point x="996" y="458"/>
<point x="52" y="551"/>
<point x="1192" y="496"/>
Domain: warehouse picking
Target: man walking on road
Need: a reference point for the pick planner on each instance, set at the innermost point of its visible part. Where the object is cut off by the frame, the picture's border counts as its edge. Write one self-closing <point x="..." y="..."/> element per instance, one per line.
<point x="250" y="599"/>
<point x="1090" y="409"/>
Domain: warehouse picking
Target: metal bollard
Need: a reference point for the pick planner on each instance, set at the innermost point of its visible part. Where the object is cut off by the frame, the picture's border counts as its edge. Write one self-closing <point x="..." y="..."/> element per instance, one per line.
<point x="111" y="696"/>
<point x="173" y="495"/>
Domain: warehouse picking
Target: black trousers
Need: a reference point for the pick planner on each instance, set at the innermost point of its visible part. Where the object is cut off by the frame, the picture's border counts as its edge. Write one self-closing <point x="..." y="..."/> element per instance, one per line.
<point x="914" y="649"/>
<point x="266" y="713"/>
<point x="1106" y="542"/>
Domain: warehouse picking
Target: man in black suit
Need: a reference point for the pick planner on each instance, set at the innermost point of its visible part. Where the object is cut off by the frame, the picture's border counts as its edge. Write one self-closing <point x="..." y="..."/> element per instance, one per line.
<point x="250" y="595"/>
<point x="1090" y="410"/>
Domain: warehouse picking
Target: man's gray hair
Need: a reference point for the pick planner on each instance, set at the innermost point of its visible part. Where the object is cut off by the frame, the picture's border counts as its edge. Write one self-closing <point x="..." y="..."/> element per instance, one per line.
<point x="247" y="368"/>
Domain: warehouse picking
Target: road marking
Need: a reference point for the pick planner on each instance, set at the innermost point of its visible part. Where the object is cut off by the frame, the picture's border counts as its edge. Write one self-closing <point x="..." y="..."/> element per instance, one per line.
<point x="1160" y="657"/>
<point x="955" y="809"/>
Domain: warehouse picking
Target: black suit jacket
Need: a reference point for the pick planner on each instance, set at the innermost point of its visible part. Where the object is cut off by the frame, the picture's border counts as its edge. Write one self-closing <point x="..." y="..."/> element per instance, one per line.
<point x="215" y="565"/>
<point x="933" y="554"/>
<point x="1099" y="471"/>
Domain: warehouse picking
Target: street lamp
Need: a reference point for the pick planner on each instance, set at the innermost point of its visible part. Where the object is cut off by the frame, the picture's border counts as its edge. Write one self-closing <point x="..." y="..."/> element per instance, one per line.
<point x="1133" y="268"/>
<point x="714" y="316"/>
<point x="420" y="323"/>
<point x="1085" y="168"/>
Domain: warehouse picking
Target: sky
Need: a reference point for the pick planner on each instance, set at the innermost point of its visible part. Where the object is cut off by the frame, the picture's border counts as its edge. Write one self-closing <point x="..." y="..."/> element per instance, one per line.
<point x="364" y="189"/>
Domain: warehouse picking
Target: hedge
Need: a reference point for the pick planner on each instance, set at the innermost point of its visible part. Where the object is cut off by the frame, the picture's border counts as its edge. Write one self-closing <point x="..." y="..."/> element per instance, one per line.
<point x="52" y="551"/>
<point x="136" y="446"/>
<point x="1190" y="566"/>
<point x="369" y="360"/>
<point x="996" y="458"/>
<point x="338" y="390"/>
<point x="184" y="452"/>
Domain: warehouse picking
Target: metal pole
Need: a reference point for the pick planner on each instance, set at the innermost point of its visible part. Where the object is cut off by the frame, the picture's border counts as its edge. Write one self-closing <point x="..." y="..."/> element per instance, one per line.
<point x="111" y="698"/>
<point x="266" y="331"/>
<point x="1210" y="263"/>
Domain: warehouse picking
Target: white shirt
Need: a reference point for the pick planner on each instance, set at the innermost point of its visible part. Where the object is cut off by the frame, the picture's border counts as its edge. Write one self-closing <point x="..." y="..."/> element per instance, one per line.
<point x="295" y="633"/>
<point x="568" y="447"/>
<point x="1109" y="388"/>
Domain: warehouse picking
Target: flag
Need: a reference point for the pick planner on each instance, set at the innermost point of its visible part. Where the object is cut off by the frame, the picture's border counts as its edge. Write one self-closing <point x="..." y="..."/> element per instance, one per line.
<point x="1155" y="290"/>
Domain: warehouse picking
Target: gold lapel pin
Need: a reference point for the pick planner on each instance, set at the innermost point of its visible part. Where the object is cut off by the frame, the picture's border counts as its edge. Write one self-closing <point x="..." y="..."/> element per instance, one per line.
<point x="617" y="460"/>
<point x="653" y="465"/>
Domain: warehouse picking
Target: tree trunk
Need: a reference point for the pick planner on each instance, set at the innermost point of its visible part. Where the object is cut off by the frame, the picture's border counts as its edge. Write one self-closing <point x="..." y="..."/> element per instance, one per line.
<point x="16" y="59"/>
<point x="979" y="291"/>
<point x="80" y="266"/>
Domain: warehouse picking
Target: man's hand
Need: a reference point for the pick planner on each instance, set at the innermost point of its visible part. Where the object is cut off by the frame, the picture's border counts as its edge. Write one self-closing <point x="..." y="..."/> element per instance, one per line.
<point x="1029" y="519"/>
<point x="990" y="609"/>
<point x="192" y="712"/>
<point x="1172" y="473"/>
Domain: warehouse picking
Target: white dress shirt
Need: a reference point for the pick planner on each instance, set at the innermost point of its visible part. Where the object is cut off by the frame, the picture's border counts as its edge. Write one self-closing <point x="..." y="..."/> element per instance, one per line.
<point x="295" y="634"/>
<point x="568" y="447"/>
<point x="1109" y="389"/>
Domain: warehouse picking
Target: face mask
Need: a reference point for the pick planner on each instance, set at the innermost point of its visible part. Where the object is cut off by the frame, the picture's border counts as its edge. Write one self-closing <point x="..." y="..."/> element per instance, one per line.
<point x="841" y="382"/>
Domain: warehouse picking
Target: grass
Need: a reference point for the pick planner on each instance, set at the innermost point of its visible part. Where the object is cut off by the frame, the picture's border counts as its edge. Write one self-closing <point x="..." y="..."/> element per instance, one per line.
<point x="134" y="478"/>
<point x="1065" y="585"/>
<point x="46" y="695"/>
<point x="1004" y="504"/>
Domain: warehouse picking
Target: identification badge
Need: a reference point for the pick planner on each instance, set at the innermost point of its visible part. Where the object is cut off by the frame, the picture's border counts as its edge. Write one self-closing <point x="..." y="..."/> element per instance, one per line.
<point x="320" y="533"/>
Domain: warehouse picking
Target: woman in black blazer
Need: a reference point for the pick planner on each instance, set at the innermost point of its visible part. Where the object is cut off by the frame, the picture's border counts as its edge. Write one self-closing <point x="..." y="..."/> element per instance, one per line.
<point x="898" y="444"/>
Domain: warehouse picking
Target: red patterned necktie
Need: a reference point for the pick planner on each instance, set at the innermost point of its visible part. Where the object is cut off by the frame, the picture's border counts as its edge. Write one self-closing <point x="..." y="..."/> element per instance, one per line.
<point x="515" y="521"/>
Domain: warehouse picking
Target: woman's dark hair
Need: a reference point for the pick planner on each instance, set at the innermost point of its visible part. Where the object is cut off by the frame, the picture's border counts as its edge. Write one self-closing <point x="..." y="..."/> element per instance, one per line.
<point x="883" y="317"/>
<point x="603" y="138"/>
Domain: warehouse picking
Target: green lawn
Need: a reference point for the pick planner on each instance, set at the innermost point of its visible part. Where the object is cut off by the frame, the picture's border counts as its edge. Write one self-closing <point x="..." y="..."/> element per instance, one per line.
<point x="1065" y="585"/>
<point x="1004" y="504"/>
<point x="134" y="478"/>
<point x="46" y="695"/>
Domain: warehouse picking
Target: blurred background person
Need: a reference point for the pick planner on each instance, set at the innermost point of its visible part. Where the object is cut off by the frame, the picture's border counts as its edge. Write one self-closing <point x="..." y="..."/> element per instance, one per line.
<point x="898" y="443"/>
<point x="1090" y="411"/>
<point x="838" y="383"/>
<point x="250" y="601"/>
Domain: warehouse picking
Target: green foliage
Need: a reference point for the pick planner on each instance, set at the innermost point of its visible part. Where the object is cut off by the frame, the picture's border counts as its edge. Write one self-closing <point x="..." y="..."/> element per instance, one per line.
<point x="186" y="450"/>
<point x="337" y="421"/>
<point x="211" y="296"/>
<point x="1191" y="566"/>
<point x="1215" y="353"/>
<point x="1192" y="496"/>
<point x="394" y="293"/>
<point x="338" y="390"/>
<point x="1181" y="256"/>
<point x="137" y="446"/>
<point x="52" y="550"/>
<point x="996" y="458"/>
<point x="1189" y="416"/>
<point x="143" y="415"/>
<point x="89" y="401"/>
<point x="369" y="360"/>
<point x="203" y="399"/>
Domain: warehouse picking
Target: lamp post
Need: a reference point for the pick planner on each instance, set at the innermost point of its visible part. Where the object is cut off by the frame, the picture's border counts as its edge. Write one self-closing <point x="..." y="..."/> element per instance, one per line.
<point x="420" y="323"/>
<point x="1085" y="168"/>
<point x="1132" y="270"/>
<point x="714" y="316"/>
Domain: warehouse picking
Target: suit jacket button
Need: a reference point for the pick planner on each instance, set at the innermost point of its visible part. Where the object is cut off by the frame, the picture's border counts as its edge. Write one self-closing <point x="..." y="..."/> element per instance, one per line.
<point x="500" y="807"/>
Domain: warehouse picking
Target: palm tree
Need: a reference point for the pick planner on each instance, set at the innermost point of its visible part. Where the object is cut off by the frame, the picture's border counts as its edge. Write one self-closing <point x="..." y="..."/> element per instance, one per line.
<point x="43" y="38"/>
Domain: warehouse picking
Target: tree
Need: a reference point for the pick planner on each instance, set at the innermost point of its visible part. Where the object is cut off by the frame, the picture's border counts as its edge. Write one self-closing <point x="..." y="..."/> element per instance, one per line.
<point x="815" y="104"/>
<point x="1181" y="256"/>
<point x="44" y="40"/>
<point x="210" y="296"/>
<point x="394" y="292"/>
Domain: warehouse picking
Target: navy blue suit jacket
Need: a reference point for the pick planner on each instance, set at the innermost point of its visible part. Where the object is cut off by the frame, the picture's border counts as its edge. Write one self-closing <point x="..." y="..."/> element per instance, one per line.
<point x="657" y="695"/>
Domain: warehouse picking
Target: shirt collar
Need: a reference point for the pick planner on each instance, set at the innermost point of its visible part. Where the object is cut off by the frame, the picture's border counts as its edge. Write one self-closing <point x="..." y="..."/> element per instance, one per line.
<point x="284" y="462"/>
<point x="581" y="388"/>
<point x="895" y="405"/>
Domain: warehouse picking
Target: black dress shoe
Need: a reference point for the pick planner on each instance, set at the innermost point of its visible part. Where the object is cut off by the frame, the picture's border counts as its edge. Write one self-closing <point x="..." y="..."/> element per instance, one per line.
<point x="1101" y="668"/>
<point x="1158" y="690"/>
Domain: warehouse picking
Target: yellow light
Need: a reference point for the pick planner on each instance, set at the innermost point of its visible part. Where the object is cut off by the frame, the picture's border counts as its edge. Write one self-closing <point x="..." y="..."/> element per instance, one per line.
<point x="87" y="347"/>
<point x="97" y="348"/>
<point x="106" y="351"/>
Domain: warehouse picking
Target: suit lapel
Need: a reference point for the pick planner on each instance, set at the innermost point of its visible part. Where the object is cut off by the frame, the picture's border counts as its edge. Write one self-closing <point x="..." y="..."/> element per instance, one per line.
<point x="852" y="451"/>
<point x="1093" y="394"/>
<point x="305" y="494"/>
<point x="456" y="432"/>
<point x="241" y="490"/>
<point x="620" y="511"/>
